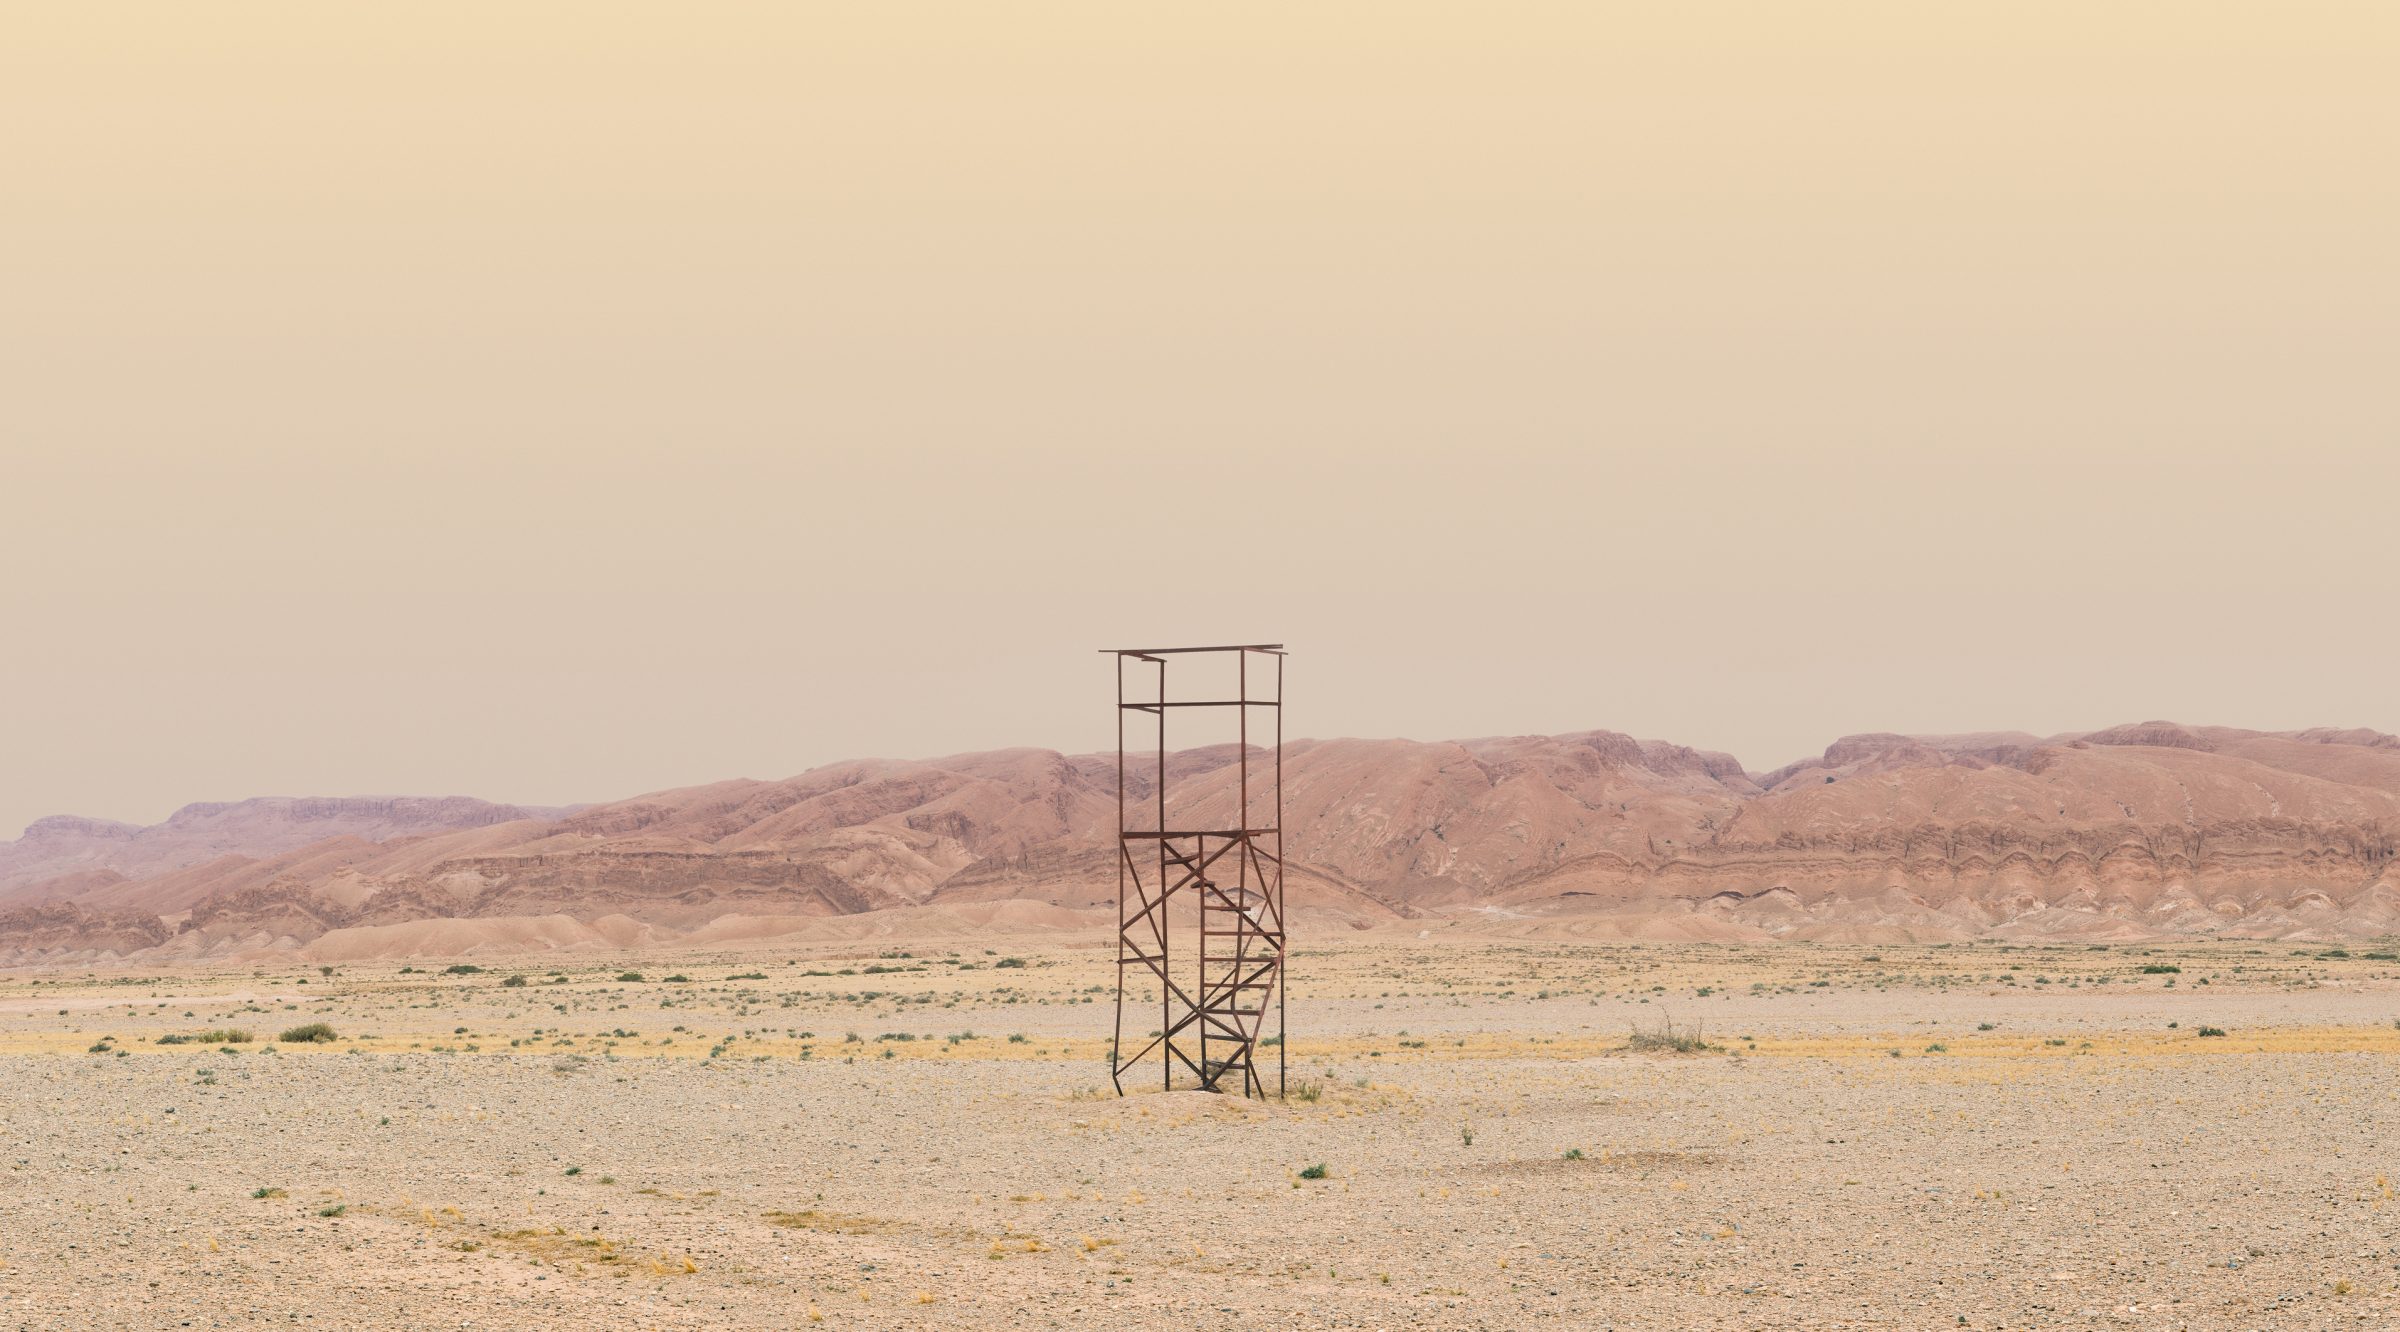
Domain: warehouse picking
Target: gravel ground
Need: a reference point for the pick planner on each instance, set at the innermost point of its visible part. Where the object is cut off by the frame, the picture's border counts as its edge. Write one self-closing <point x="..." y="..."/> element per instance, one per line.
<point x="1910" y="1144"/>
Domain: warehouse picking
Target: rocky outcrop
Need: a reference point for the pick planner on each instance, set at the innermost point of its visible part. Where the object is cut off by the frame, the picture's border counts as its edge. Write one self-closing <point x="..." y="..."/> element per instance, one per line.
<point x="63" y="931"/>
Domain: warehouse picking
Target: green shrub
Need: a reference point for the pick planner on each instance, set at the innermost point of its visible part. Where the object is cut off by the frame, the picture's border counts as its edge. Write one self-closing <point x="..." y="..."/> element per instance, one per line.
<point x="315" y="1033"/>
<point x="461" y="969"/>
<point x="1316" y="1171"/>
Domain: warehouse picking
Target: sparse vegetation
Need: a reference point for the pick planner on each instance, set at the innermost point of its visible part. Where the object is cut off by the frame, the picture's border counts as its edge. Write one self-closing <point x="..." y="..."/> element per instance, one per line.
<point x="1668" y="1036"/>
<point x="218" y="1036"/>
<point x="313" y="1033"/>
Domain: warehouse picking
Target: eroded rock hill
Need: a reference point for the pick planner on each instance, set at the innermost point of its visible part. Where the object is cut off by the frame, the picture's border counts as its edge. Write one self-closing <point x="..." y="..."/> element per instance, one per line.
<point x="2136" y="831"/>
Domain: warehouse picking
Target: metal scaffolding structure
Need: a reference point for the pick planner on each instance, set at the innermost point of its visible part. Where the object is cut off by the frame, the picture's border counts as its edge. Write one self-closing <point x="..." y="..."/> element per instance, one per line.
<point x="1174" y="854"/>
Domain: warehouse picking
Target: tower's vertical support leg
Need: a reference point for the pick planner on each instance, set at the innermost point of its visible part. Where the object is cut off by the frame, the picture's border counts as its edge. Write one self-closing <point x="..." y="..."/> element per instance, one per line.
<point x="1208" y="1072"/>
<point x="1283" y="938"/>
<point x="1116" y="1042"/>
<point x="1166" y="926"/>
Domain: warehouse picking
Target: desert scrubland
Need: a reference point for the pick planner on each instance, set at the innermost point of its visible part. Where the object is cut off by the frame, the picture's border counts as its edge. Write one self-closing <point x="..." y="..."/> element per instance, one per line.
<point x="1979" y="1134"/>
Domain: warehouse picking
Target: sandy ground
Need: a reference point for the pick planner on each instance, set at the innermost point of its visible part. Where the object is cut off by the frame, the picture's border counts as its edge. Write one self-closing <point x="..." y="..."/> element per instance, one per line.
<point x="1979" y="1136"/>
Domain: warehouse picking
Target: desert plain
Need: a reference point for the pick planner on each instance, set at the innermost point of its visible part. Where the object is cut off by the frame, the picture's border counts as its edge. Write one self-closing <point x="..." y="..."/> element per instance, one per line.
<point x="898" y="1135"/>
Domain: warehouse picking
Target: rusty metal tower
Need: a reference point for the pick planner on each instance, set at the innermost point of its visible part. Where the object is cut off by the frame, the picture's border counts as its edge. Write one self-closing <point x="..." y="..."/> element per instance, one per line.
<point x="1202" y="863"/>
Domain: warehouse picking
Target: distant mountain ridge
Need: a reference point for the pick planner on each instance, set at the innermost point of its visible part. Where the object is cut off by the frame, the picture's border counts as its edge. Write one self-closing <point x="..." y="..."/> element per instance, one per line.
<point x="66" y="843"/>
<point x="2135" y="831"/>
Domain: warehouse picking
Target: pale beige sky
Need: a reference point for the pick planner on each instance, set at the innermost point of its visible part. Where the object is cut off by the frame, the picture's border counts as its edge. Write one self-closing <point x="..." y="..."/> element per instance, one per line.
<point x="552" y="402"/>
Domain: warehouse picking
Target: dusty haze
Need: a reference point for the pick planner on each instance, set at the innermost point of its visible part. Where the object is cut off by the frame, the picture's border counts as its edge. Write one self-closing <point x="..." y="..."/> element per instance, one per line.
<point x="563" y="401"/>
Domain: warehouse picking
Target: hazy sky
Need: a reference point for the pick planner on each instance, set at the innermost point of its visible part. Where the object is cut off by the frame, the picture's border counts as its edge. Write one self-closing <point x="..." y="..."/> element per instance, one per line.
<point x="554" y="402"/>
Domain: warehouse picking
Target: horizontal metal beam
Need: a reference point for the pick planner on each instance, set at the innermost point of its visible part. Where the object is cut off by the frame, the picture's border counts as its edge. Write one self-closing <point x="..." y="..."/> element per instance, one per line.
<point x="1170" y="652"/>
<point x="1204" y="703"/>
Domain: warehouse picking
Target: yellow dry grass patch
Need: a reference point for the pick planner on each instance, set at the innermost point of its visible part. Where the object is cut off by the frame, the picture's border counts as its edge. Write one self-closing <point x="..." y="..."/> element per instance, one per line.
<point x="559" y="1247"/>
<point x="832" y="1223"/>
